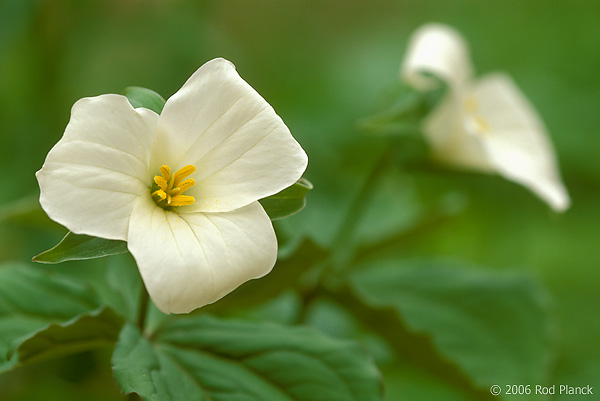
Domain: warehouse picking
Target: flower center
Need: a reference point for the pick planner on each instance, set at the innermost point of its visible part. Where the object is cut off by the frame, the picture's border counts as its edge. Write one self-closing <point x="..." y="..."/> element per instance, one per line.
<point x="471" y="106"/>
<point x="172" y="186"/>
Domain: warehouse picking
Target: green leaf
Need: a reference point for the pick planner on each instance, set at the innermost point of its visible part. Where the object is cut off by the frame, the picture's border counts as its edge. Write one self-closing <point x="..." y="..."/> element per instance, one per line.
<point x="204" y="358"/>
<point x="287" y="202"/>
<point x="401" y="111"/>
<point x="43" y="314"/>
<point x="495" y="327"/>
<point x="121" y="286"/>
<point x="87" y="331"/>
<point x="143" y="97"/>
<point x="80" y="247"/>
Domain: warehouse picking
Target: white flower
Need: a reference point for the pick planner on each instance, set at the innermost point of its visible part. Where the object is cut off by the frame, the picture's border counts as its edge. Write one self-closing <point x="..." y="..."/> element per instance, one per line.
<point x="485" y="124"/>
<point x="120" y="173"/>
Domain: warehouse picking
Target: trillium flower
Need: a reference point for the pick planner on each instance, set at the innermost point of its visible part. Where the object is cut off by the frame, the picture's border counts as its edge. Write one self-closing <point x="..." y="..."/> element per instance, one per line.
<point x="181" y="188"/>
<point x="484" y="124"/>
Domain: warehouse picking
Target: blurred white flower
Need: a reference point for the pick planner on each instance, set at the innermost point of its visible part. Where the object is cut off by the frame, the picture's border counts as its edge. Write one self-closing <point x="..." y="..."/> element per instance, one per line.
<point x="484" y="124"/>
<point x="121" y="173"/>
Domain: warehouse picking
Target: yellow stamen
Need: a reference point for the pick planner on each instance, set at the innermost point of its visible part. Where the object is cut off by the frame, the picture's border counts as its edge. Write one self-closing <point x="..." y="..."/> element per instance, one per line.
<point x="182" y="200"/>
<point x="183" y="186"/>
<point x="161" y="182"/>
<point x="166" y="172"/>
<point x="181" y="174"/>
<point x="171" y="187"/>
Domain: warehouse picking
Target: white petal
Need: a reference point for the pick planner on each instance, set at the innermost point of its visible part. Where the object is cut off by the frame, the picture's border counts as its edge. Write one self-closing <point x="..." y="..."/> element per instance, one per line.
<point x="93" y="175"/>
<point x="450" y="142"/>
<point x="241" y="149"/>
<point x="188" y="261"/>
<point x="516" y="140"/>
<point x="438" y="50"/>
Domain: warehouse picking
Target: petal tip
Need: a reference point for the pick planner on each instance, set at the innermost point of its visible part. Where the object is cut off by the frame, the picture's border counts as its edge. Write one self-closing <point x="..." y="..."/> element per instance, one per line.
<point x="561" y="202"/>
<point x="219" y="62"/>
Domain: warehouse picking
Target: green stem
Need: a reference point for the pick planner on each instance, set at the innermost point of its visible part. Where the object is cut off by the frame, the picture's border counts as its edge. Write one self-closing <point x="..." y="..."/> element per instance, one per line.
<point x="356" y="211"/>
<point x="143" y="310"/>
<point x="321" y="273"/>
<point x="403" y="240"/>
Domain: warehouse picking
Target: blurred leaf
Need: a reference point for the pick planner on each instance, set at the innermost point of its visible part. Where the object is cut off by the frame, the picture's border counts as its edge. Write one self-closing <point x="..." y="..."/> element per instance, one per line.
<point x="143" y="97"/>
<point x="287" y="202"/>
<point x="30" y="300"/>
<point x="26" y="210"/>
<point x="338" y="320"/>
<point x="84" y="332"/>
<point x="406" y="382"/>
<point x="204" y="358"/>
<point x="495" y="327"/>
<point x="402" y="110"/>
<point x="80" y="247"/>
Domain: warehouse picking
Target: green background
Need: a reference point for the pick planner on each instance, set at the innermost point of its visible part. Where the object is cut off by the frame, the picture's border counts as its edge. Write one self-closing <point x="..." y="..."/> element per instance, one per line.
<point x="323" y="65"/>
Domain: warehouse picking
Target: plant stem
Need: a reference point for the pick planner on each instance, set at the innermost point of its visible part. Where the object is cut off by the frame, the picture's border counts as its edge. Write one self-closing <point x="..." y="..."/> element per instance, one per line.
<point x="143" y="310"/>
<point x="356" y="211"/>
<point x="324" y="273"/>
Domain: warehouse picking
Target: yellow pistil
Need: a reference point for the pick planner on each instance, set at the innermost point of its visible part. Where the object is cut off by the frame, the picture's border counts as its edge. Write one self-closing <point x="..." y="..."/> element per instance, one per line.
<point x="482" y="125"/>
<point x="171" y="187"/>
<point x="471" y="106"/>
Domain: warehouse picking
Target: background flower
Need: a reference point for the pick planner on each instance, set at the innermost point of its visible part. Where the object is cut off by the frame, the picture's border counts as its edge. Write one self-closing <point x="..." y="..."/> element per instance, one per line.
<point x="484" y="124"/>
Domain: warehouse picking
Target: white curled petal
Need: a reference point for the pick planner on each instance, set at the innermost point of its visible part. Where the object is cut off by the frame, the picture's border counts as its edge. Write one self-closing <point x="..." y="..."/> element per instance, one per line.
<point x="439" y="50"/>
<point x="516" y="140"/>
<point x="93" y="175"/>
<point x="240" y="147"/>
<point x="192" y="260"/>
